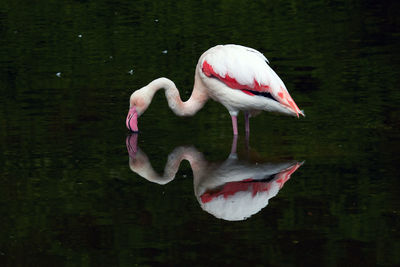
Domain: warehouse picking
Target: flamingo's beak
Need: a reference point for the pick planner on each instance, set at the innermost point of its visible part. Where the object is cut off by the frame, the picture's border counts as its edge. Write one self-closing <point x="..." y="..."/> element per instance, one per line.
<point x="132" y="120"/>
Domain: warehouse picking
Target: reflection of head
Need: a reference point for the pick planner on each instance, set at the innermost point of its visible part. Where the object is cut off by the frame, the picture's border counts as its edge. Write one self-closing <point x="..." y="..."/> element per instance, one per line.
<point x="236" y="201"/>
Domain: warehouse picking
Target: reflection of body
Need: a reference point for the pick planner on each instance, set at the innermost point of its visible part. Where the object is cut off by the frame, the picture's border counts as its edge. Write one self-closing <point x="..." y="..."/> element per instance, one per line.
<point x="233" y="190"/>
<point x="236" y="76"/>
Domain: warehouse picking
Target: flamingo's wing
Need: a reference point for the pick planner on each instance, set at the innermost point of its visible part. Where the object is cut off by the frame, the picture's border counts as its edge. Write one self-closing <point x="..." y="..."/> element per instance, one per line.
<point x="246" y="69"/>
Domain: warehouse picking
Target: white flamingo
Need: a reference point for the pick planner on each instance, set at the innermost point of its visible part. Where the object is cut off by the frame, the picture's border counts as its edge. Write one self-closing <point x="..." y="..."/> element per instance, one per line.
<point x="238" y="77"/>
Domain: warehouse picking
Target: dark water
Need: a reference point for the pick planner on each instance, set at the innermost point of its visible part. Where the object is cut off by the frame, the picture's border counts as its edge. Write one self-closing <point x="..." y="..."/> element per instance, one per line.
<point x="69" y="195"/>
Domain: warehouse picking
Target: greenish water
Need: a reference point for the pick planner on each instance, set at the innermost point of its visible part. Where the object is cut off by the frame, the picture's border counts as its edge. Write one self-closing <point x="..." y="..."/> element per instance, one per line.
<point x="69" y="197"/>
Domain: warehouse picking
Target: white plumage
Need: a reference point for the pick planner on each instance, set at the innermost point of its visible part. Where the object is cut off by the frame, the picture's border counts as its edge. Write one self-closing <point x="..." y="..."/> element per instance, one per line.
<point x="243" y="63"/>
<point x="238" y="77"/>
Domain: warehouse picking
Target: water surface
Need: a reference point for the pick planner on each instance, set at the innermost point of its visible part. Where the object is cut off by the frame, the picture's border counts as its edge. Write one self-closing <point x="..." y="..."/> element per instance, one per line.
<point x="68" y="193"/>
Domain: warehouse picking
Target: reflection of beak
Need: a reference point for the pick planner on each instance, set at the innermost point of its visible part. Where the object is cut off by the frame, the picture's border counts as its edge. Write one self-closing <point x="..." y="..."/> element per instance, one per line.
<point x="131" y="145"/>
<point x="131" y="120"/>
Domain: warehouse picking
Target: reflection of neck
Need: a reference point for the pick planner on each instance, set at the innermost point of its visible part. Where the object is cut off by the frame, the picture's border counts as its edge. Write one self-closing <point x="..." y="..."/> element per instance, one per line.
<point x="141" y="164"/>
<point x="205" y="174"/>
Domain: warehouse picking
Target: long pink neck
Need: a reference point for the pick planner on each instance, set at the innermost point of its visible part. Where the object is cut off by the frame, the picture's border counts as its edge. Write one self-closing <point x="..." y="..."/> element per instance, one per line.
<point x="188" y="108"/>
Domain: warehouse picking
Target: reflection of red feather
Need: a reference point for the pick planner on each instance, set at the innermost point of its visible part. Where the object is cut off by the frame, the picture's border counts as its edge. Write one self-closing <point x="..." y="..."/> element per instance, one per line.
<point x="231" y="188"/>
<point x="284" y="176"/>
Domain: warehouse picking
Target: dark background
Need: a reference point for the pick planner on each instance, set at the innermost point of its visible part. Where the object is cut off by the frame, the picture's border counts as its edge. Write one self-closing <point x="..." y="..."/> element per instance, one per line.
<point x="68" y="197"/>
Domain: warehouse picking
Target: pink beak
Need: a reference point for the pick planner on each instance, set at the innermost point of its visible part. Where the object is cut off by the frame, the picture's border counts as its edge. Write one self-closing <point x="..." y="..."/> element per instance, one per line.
<point x="131" y="120"/>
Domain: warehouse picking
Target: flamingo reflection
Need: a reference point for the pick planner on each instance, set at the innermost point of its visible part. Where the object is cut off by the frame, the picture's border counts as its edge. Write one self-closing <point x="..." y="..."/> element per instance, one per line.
<point x="232" y="190"/>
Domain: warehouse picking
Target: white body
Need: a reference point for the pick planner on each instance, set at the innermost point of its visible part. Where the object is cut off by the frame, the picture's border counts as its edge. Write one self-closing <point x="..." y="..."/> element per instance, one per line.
<point x="246" y="65"/>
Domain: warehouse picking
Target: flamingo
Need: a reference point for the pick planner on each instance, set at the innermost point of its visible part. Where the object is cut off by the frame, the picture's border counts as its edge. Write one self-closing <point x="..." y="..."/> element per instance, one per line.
<point x="238" y="77"/>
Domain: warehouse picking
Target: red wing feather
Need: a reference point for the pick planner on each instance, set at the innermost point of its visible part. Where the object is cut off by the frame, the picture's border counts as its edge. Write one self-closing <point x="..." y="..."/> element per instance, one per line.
<point x="231" y="82"/>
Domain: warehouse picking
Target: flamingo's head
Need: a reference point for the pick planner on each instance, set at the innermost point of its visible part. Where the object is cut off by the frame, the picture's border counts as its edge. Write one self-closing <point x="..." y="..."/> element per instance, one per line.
<point x="139" y="102"/>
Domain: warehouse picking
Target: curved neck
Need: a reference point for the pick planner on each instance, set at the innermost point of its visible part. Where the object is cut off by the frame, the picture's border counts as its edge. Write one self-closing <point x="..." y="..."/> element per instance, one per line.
<point x="188" y="108"/>
<point x="141" y="165"/>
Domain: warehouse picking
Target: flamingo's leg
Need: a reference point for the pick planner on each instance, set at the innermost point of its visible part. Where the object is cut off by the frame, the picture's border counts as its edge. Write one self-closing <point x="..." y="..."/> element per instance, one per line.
<point x="234" y="146"/>
<point x="247" y="122"/>
<point x="234" y="125"/>
<point x="247" y="127"/>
